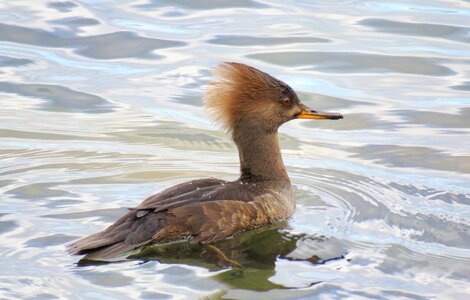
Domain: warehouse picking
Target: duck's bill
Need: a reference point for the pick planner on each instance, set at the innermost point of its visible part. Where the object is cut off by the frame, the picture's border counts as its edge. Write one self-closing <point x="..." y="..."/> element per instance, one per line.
<point x="319" y="115"/>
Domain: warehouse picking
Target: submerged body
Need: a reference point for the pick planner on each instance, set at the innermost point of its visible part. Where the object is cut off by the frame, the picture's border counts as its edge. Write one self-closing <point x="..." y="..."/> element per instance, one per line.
<point x="251" y="105"/>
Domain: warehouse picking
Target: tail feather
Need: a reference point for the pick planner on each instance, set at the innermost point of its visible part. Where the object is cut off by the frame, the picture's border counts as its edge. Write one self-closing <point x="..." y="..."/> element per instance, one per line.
<point x="113" y="252"/>
<point x="128" y="233"/>
<point x="89" y="243"/>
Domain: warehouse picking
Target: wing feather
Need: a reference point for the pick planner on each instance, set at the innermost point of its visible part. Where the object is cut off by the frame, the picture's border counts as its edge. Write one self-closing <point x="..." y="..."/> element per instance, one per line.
<point x="203" y="210"/>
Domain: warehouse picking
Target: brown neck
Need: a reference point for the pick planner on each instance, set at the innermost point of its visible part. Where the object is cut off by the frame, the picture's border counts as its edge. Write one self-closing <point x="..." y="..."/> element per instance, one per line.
<point x="260" y="156"/>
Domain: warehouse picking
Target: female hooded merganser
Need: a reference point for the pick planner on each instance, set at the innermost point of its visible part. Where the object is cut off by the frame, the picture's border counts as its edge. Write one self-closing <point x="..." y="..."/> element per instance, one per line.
<point x="250" y="105"/>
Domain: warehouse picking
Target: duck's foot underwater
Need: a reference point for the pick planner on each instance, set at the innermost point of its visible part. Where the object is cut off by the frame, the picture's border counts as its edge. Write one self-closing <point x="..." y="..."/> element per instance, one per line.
<point x="222" y="255"/>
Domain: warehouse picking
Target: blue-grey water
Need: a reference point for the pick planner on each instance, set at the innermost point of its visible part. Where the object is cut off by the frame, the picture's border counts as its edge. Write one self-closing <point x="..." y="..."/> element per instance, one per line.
<point x="100" y="107"/>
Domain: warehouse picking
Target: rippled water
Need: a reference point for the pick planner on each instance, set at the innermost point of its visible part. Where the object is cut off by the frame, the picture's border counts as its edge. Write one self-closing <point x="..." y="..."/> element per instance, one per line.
<point x="100" y="107"/>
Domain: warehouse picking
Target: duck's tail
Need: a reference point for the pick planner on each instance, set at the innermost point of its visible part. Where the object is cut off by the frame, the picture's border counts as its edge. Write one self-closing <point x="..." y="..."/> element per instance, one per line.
<point x="116" y="242"/>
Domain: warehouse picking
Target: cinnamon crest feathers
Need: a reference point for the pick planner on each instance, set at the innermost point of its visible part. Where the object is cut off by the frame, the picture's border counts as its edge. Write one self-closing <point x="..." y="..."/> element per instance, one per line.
<point x="239" y="89"/>
<point x="251" y="105"/>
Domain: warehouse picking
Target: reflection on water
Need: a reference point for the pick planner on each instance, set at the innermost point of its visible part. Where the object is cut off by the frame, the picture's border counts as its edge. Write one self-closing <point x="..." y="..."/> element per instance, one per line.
<point x="105" y="46"/>
<point x="250" y="256"/>
<point x="459" y="34"/>
<point x="356" y="62"/>
<point x="240" y="40"/>
<point x="101" y="107"/>
<point x="60" y="98"/>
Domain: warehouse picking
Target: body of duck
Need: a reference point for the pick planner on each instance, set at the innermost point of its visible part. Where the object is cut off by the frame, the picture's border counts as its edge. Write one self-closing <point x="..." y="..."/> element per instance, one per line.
<point x="250" y="105"/>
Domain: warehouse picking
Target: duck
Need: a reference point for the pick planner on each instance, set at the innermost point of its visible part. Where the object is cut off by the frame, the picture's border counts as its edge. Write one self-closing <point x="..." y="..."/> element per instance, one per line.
<point x="250" y="105"/>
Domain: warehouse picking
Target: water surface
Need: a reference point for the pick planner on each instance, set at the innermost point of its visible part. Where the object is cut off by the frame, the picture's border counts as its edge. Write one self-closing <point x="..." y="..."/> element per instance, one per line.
<point x="101" y="107"/>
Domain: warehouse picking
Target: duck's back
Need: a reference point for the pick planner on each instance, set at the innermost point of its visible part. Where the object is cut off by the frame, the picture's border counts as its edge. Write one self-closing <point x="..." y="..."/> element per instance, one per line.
<point x="201" y="211"/>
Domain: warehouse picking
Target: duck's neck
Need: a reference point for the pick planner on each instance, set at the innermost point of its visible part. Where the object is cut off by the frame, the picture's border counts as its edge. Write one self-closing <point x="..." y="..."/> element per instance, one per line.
<point x="260" y="156"/>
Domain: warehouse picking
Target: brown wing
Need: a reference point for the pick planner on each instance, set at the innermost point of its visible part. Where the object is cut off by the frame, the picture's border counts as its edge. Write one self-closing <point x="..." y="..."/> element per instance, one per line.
<point x="194" y="209"/>
<point x="208" y="221"/>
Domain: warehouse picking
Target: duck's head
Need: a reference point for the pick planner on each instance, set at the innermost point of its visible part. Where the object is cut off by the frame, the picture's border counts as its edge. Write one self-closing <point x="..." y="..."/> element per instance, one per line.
<point x="247" y="99"/>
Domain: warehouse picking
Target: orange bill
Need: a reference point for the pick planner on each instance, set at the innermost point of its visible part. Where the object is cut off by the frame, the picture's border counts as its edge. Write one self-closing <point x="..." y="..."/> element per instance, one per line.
<point x="318" y="115"/>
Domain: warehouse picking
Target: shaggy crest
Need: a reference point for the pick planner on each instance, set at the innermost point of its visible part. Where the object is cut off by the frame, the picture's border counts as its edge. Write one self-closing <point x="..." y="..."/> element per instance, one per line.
<point x="238" y="89"/>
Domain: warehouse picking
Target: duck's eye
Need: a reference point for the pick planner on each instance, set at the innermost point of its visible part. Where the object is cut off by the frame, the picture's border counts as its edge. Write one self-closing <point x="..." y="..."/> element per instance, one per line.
<point x="286" y="101"/>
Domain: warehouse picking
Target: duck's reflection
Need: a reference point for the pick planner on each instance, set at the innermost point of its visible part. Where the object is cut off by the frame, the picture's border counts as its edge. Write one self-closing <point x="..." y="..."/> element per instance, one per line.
<point x="250" y="258"/>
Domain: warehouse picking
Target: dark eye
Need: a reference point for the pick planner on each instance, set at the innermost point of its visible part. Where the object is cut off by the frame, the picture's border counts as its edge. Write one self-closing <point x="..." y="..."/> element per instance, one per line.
<point x="286" y="101"/>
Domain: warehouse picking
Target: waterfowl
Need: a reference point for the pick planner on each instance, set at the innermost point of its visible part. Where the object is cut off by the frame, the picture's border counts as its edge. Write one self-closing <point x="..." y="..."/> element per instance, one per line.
<point x="251" y="105"/>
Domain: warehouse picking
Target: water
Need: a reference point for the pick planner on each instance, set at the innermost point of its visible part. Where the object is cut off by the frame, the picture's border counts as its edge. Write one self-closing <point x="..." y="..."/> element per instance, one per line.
<point x="101" y="107"/>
